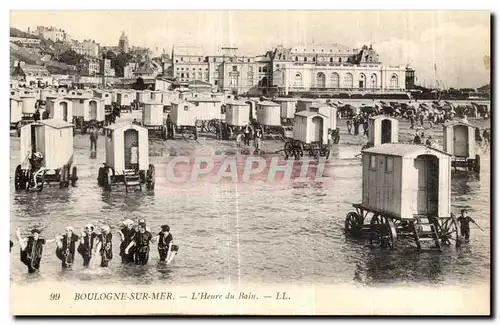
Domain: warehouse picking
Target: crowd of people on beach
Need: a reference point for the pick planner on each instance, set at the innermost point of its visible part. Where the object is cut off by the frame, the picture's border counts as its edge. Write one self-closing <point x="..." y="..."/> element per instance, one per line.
<point x="97" y="243"/>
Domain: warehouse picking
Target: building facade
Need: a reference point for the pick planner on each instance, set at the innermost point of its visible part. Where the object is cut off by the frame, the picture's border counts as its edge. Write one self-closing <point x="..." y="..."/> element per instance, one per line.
<point x="105" y="68"/>
<point x="33" y="75"/>
<point x="90" y="67"/>
<point x="123" y="43"/>
<point x="52" y="33"/>
<point x="25" y="41"/>
<point x="288" y="70"/>
<point x="86" y="48"/>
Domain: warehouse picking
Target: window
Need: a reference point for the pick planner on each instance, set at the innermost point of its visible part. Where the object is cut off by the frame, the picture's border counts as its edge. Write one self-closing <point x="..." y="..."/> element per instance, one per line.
<point x="389" y="164"/>
<point x="182" y="59"/>
<point x="248" y="60"/>
<point x="296" y="58"/>
<point x="340" y="60"/>
<point x="264" y="69"/>
<point x="214" y="59"/>
<point x="260" y="69"/>
<point x="305" y="59"/>
<point x="187" y="75"/>
<point x="182" y="75"/>
<point x="216" y="82"/>
<point x="331" y="60"/>
<point x="199" y="59"/>
<point x="335" y="80"/>
<point x="235" y="68"/>
<point x="394" y="81"/>
<point x="182" y="69"/>
<point x="81" y="101"/>
<point x="373" y="162"/>
<point x="320" y="80"/>
<point x="373" y="79"/>
<point x="186" y="108"/>
<point x="277" y="66"/>
<point x="314" y="59"/>
<point x="298" y="80"/>
<point x="284" y="57"/>
<point x="348" y="80"/>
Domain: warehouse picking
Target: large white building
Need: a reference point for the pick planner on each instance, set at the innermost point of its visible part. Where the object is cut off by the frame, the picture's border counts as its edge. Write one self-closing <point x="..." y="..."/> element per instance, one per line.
<point x="334" y="68"/>
<point x="51" y="33"/>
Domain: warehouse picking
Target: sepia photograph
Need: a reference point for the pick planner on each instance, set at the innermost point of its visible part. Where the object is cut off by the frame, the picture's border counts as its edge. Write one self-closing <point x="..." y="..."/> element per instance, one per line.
<point x="250" y="162"/>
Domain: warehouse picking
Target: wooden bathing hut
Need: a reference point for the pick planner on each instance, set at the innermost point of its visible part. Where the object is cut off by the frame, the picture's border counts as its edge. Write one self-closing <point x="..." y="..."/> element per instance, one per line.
<point x="237" y="113"/>
<point x="406" y="191"/>
<point x="310" y="134"/>
<point x="382" y="129"/>
<point x="183" y="117"/>
<point x="60" y="109"/>
<point x="121" y="166"/>
<point x="288" y="108"/>
<point x="460" y="142"/>
<point x="88" y="112"/>
<point x="53" y="139"/>
<point x="106" y="96"/>
<point x="16" y="111"/>
<point x="153" y="120"/>
<point x="124" y="99"/>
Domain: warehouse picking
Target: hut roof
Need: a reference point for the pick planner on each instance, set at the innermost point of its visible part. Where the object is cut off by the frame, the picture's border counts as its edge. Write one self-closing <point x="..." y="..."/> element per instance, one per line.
<point x="309" y="113"/>
<point x="267" y="103"/>
<point x="403" y="150"/>
<point x="204" y="99"/>
<point x="458" y="122"/>
<point x="284" y="99"/>
<point x="238" y="103"/>
<point x="381" y="117"/>
<point x="56" y="124"/>
<point x="122" y="125"/>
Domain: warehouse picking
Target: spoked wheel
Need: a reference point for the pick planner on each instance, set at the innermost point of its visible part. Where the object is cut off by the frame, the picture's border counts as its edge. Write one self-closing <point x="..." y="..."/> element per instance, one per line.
<point x="196" y="133"/>
<point x="62" y="177"/>
<point x="289" y="152"/>
<point x="211" y="126"/>
<point x="353" y="224"/>
<point x="39" y="182"/>
<point x="173" y="132"/>
<point x="19" y="179"/>
<point x="74" y="176"/>
<point x="108" y="178"/>
<point x="382" y="232"/>
<point x="449" y="232"/>
<point x="150" y="178"/>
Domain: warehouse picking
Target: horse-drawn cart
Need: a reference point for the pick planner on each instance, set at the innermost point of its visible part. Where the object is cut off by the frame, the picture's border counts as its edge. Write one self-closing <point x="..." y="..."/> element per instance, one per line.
<point x="46" y="155"/>
<point x="127" y="158"/>
<point x="405" y="194"/>
<point x="310" y="134"/>
<point x="152" y="119"/>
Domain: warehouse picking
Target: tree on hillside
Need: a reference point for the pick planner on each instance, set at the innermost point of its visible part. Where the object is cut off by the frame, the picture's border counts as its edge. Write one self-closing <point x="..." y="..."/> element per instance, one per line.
<point x="120" y="62"/>
<point x="110" y="55"/>
<point x="70" y="57"/>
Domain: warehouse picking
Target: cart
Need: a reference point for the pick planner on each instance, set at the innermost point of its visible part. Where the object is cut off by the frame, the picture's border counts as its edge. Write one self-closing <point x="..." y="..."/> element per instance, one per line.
<point x="182" y="119"/>
<point x="152" y="119"/>
<point x="405" y="194"/>
<point x="310" y="134"/>
<point x="46" y="156"/>
<point x="88" y="113"/>
<point x="121" y="167"/>
<point x="459" y="141"/>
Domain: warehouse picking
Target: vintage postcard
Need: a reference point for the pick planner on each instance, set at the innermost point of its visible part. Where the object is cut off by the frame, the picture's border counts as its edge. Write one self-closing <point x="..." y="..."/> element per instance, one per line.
<point x="250" y="162"/>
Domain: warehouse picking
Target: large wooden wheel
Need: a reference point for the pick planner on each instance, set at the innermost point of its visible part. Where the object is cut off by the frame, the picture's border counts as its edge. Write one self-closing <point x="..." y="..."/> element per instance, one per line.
<point x="289" y="150"/>
<point x="62" y="177"/>
<point x="150" y="177"/>
<point x="74" y="176"/>
<point x="477" y="164"/>
<point x="382" y="232"/>
<point x="448" y="232"/>
<point x="353" y="224"/>
<point x="19" y="179"/>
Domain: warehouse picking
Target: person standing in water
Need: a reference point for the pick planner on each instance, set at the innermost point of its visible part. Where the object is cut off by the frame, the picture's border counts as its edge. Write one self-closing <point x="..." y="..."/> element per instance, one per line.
<point x="165" y="245"/>
<point x="93" y="135"/>
<point x="86" y="246"/>
<point x="141" y="243"/>
<point x="66" y="246"/>
<point x="105" y="245"/>
<point x="31" y="249"/>
<point x="127" y="234"/>
<point x="464" y="220"/>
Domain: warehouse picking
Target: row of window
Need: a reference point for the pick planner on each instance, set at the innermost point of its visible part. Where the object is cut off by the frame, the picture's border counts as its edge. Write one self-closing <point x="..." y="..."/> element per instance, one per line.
<point x="314" y="59"/>
<point x="389" y="163"/>
<point x="348" y="80"/>
<point x="187" y="69"/>
<point x="214" y="60"/>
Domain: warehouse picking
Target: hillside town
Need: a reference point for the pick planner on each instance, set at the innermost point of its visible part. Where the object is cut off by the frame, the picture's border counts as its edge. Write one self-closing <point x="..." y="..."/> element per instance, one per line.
<point x="50" y="56"/>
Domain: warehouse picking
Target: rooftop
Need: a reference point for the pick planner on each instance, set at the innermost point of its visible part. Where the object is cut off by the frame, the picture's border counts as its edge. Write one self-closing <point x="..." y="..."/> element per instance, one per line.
<point x="407" y="150"/>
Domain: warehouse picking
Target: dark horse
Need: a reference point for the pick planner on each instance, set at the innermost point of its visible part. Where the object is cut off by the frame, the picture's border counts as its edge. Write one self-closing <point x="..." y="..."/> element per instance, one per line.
<point x="111" y="117"/>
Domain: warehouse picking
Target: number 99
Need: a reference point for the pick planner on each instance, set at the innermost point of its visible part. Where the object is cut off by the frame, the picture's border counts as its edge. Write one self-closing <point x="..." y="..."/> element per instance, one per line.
<point x="54" y="296"/>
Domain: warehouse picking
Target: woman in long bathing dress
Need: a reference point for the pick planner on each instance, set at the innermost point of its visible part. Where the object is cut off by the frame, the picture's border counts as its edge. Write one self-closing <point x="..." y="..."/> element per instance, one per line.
<point x="87" y="241"/>
<point x="141" y="243"/>
<point x="66" y="247"/>
<point x="32" y="249"/>
<point x="105" y="245"/>
<point x="127" y="234"/>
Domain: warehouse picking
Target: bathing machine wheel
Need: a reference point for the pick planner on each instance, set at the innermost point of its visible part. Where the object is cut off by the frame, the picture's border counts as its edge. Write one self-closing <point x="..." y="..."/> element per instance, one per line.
<point x="150" y="178"/>
<point x="382" y="231"/>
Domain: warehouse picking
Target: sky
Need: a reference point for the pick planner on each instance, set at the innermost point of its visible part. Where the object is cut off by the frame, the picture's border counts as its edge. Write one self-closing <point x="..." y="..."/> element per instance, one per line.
<point x="450" y="46"/>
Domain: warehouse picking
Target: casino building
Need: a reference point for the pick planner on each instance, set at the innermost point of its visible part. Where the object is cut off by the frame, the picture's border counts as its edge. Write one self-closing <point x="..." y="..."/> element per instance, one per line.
<point x="333" y="69"/>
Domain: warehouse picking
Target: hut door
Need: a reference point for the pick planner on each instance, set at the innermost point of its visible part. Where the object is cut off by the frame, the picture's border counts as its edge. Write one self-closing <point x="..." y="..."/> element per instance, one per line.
<point x="64" y="108"/>
<point x="386" y="131"/>
<point x="461" y="141"/>
<point x="93" y="110"/>
<point x="427" y="167"/>
<point x="131" y="137"/>
<point x="317" y="131"/>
